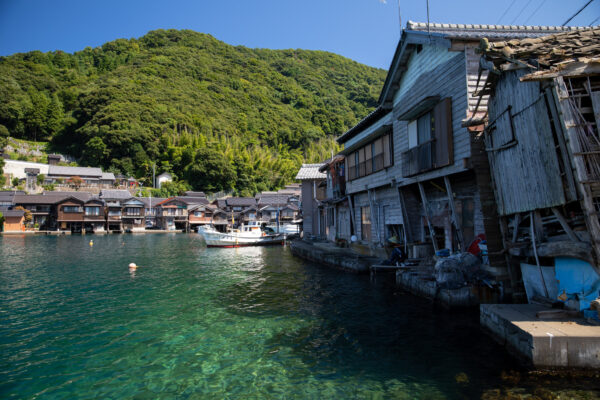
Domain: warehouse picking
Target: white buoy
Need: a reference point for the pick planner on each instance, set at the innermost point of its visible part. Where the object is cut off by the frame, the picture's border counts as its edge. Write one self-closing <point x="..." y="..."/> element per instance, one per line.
<point x="132" y="266"/>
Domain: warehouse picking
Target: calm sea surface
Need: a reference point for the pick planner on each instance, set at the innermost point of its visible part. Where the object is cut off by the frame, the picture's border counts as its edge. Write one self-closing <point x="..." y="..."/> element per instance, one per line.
<point x="258" y="323"/>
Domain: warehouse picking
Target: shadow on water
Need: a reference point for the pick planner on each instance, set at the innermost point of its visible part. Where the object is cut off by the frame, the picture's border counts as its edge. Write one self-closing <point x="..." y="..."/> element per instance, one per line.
<point x="361" y="328"/>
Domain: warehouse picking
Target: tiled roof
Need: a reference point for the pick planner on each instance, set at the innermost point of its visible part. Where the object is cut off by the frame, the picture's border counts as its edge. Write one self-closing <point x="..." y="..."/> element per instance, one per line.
<point x="74" y="171"/>
<point x="84" y="196"/>
<point x="273" y="199"/>
<point x="195" y="194"/>
<point x="151" y="201"/>
<point x="546" y="50"/>
<point x="310" y="171"/>
<point x="13" y="213"/>
<point x="107" y="176"/>
<point x="240" y="201"/>
<point x="115" y="194"/>
<point x="38" y="198"/>
<point x="192" y="200"/>
<point x="476" y="31"/>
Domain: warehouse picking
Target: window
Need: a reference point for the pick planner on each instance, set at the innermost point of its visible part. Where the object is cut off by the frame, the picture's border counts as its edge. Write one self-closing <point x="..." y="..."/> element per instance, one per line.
<point x="429" y="140"/>
<point x="133" y="211"/>
<point x="371" y="158"/>
<point x="92" y="211"/>
<point x="365" y="223"/>
<point x="114" y="213"/>
<point x="72" y="209"/>
<point x="198" y="214"/>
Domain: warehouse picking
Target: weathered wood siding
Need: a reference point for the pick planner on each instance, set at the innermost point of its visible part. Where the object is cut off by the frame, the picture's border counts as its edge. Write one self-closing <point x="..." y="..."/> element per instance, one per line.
<point x="525" y="167"/>
<point x="447" y="80"/>
<point x="310" y="210"/>
<point x="472" y="62"/>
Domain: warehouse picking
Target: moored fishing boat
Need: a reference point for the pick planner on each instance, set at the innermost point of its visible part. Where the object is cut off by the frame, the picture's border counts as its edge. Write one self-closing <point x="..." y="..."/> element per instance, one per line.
<point x="247" y="235"/>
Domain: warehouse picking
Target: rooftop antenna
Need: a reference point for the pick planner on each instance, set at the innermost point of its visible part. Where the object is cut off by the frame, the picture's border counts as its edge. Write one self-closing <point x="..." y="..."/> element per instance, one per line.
<point x="399" y="17"/>
<point x="428" y="32"/>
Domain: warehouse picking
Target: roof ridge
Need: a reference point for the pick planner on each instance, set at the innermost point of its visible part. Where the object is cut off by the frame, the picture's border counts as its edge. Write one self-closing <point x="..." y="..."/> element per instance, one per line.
<point x="413" y="25"/>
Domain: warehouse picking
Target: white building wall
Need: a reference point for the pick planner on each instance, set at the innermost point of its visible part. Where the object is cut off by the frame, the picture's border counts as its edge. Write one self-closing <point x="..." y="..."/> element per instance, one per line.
<point x="16" y="169"/>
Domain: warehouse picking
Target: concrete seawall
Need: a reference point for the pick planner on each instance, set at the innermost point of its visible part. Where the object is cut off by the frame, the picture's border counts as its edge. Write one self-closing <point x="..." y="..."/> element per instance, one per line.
<point x="330" y="256"/>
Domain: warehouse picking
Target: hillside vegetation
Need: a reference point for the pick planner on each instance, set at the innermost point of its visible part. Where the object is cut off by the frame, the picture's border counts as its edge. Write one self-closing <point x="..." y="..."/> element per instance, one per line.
<point x="214" y="115"/>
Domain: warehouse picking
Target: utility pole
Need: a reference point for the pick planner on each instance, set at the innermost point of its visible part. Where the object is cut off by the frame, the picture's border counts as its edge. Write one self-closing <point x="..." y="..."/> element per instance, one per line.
<point x="153" y="173"/>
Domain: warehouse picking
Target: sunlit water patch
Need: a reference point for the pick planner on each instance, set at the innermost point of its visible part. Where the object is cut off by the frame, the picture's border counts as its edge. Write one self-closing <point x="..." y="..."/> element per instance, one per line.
<point x="192" y="322"/>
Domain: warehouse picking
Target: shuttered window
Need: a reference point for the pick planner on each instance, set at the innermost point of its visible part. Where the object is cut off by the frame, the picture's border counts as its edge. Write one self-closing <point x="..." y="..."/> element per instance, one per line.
<point x="444" y="148"/>
<point x="430" y="140"/>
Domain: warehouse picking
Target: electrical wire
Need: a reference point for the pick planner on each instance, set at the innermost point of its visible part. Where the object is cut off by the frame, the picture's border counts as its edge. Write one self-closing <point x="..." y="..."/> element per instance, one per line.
<point x="505" y="11"/>
<point x="577" y="13"/>
<point x="534" y="12"/>
<point x="594" y="21"/>
<point x="520" y="12"/>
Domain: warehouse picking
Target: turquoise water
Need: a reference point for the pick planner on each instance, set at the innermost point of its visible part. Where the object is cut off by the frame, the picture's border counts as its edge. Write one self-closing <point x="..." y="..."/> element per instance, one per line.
<point x="247" y="323"/>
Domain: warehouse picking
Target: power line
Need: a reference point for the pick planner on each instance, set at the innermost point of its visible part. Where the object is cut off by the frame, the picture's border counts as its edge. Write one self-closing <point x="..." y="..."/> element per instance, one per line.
<point x="505" y="11"/>
<point x="520" y="12"/>
<point x="534" y="12"/>
<point x="580" y="10"/>
<point x="594" y="21"/>
<point x="399" y="17"/>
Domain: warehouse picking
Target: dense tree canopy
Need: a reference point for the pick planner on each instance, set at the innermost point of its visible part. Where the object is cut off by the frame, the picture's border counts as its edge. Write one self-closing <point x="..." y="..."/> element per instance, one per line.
<point x="187" y="102"/>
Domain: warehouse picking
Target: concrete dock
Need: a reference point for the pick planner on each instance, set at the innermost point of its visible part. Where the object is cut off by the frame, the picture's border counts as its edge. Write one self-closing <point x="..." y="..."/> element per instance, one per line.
<point x="569" y="342"/>
<point x="335" y="257"/>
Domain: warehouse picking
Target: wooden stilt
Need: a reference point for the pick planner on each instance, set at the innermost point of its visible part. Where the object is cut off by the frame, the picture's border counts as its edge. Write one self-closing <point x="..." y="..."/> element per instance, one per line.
<point x="455" y="221"/>
<point x="427" y="216"/>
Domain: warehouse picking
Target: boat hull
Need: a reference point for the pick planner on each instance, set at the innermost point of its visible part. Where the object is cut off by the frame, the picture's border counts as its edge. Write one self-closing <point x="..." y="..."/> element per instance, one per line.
<point x="218" y="239"/>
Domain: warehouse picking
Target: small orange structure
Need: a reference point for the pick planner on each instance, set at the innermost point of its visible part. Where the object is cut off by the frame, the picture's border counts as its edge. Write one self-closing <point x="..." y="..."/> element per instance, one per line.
<point x="14" y="221"/>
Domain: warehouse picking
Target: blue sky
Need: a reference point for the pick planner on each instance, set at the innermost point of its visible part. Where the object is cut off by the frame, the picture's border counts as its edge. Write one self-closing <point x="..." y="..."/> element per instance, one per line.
<point x="363" y="30"/>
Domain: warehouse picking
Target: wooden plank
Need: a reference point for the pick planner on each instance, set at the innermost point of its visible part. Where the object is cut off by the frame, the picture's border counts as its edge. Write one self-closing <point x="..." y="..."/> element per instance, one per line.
<point x="565" y="225"/>
<point x="444" y="150"/>
<point x="595" y="96"/>
<point x="427" y="216"/>
<point x="571" y="191"/>
<point x="457" y="224"/>
<point x="515" y="234"/>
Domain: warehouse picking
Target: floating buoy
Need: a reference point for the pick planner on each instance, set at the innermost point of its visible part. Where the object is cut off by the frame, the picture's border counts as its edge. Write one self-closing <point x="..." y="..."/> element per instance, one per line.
<point x="132" y="266"/>
<point x="91" y="242"/>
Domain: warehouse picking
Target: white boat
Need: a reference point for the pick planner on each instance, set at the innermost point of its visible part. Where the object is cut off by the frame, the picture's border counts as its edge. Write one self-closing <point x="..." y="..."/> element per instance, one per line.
<point x="247" y="235"/>
<point x="289" y="229"/>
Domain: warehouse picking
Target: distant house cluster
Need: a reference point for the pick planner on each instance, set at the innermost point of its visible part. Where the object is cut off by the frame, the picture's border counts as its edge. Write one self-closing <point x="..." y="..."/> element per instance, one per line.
<point x="66" y="176"/>
<point x="117" y="210"/>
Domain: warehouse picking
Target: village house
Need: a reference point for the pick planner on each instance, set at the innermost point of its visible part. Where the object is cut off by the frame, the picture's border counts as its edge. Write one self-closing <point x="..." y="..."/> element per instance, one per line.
<point x="42" y="208"/>
<point x="151" y="211"/>
<point x="133" y="215"/>
<point x="70" y="215"/>
<point x="173" y="212"/>
<point x="413" y="170"/>
<point x="543" y="144"/>
<point x="94" y="216"/>
<point x="14" y="221"/>
<point x="336" y="204"/>
<point x="313" y="193"/>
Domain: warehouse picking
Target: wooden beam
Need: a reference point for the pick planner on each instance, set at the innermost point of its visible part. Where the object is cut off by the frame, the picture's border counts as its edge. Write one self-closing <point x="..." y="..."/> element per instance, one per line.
<point x="457" y="225"/>
<point x="405" y="219"/>
<point x="563" y="222"/>
<point x="427" y="216"/>
<point x="516" y="228"/>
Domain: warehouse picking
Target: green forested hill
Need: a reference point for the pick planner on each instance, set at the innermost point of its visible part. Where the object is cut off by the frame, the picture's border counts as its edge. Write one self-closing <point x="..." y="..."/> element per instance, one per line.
<point x="215" y="115"/>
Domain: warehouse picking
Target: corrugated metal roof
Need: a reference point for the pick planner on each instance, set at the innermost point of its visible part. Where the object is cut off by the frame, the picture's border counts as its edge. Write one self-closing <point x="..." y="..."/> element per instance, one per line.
<point x="310" y="171"/>
<point x="74" y="171"/>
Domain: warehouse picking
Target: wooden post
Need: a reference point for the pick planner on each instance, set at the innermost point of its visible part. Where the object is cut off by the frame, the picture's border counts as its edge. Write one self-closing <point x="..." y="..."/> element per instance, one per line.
<point x="516" y="227"/>
<point x="563" y="222"/>
<point x="427" y="217"/>
<point x="405" y="220"/>
<point x="457" y="225"/>
<point x="352" y="220"/>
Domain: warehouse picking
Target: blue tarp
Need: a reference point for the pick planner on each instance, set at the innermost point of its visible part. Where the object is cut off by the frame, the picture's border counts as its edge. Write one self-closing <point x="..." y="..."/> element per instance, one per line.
<point x="578" y="280"/>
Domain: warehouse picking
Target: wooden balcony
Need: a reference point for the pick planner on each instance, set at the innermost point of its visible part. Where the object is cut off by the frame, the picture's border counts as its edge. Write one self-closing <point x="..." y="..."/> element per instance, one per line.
<point x="419" y="159"/>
